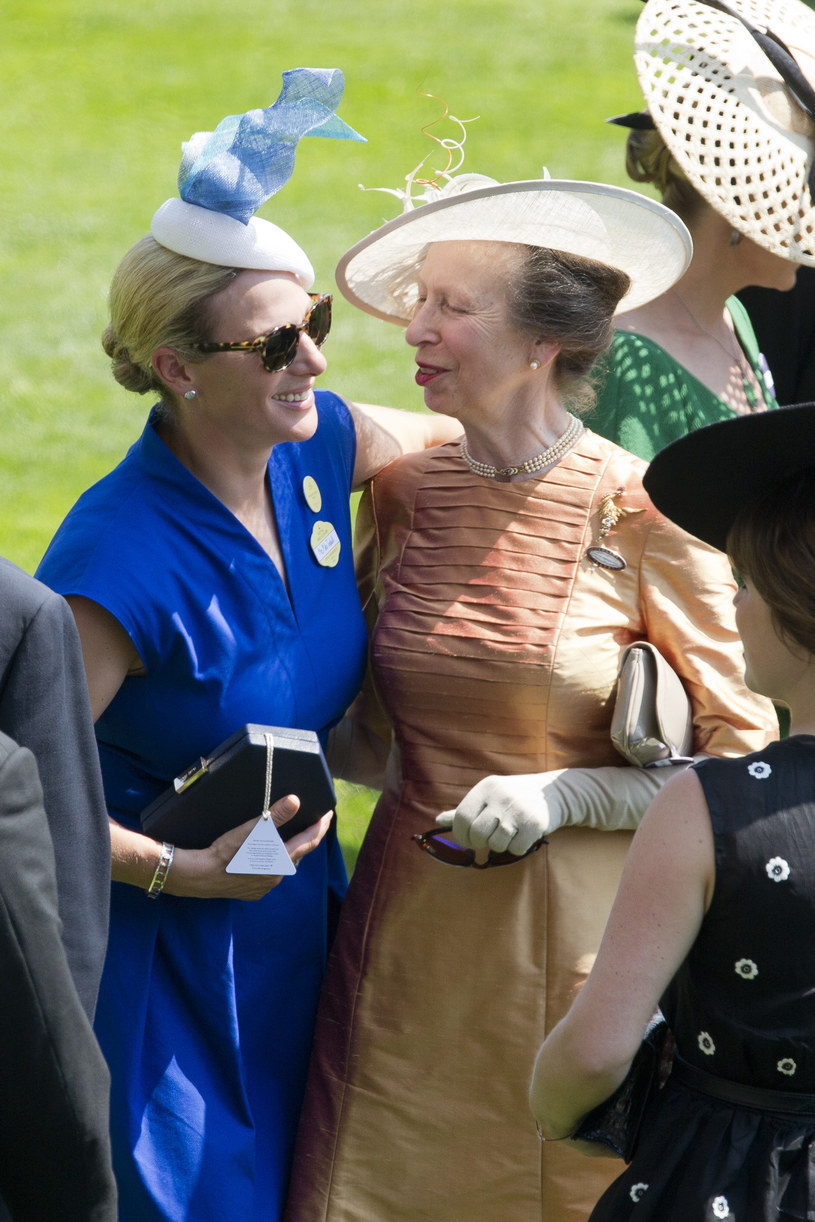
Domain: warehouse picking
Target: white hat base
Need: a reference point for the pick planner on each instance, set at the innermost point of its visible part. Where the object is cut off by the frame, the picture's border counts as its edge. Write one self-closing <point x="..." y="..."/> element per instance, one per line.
<point x="214" y="237"/>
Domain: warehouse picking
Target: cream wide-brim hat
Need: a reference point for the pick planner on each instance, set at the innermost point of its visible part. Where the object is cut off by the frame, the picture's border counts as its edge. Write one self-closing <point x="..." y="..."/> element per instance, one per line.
<point x="611" y="225"/>
<point x="727" y="117"/>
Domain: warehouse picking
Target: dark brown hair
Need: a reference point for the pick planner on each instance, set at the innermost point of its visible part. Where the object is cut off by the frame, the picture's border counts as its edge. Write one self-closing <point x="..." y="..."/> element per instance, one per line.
<point x="772" y="544"/>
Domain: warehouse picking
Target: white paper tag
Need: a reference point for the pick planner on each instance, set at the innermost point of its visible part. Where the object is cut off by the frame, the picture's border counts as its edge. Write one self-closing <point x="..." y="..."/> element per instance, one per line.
<point x="262" y="852"/>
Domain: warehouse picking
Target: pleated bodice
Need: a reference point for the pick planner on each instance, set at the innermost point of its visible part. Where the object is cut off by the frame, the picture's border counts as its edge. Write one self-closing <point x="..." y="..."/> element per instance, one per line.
<point x="495" y="650"/>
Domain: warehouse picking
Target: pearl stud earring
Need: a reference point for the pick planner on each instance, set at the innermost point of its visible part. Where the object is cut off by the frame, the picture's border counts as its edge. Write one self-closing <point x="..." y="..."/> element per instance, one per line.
<point x="534" y="364"/>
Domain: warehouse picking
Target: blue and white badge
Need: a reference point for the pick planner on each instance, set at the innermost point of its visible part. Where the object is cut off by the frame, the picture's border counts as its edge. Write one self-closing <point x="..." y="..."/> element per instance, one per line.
<point x="325" y="543"/>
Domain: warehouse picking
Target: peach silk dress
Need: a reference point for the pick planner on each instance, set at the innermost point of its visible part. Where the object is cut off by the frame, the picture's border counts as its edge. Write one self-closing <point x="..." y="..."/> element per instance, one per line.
<point x="495" y="650"/>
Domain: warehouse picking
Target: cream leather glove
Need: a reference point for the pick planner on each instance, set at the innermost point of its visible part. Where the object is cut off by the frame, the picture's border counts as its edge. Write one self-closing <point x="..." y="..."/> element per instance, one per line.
<point x="511" y="812"/>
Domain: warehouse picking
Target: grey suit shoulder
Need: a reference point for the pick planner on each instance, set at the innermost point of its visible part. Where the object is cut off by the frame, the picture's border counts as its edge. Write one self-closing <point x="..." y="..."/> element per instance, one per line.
<point x="44" y="707"/>
<point x="55" y="1159"/>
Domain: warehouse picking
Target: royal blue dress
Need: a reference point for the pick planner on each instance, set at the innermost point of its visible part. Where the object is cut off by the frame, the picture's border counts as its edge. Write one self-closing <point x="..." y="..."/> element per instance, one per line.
<point x="207" y="1007"/>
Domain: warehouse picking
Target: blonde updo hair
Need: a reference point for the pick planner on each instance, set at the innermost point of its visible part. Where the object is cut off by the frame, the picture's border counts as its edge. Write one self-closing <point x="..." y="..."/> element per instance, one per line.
<point x="648" y="159"/>
<point x="158" y="299"/>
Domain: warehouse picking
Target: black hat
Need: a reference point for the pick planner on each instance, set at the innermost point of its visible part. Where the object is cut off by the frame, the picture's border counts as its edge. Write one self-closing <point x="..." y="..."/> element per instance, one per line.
<point x="702" y="480"/>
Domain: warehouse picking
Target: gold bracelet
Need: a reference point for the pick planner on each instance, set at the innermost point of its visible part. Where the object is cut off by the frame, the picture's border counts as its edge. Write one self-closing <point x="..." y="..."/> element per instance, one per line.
<point x="162" y="870"/>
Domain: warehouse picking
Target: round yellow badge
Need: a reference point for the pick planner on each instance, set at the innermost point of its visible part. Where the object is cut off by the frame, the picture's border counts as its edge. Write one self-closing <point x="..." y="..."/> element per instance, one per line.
<point x="312" y="494"/>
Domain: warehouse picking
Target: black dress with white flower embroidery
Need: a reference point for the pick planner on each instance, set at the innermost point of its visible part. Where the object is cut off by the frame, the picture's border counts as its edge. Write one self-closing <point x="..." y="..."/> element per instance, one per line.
<point x="742" y="1007"/>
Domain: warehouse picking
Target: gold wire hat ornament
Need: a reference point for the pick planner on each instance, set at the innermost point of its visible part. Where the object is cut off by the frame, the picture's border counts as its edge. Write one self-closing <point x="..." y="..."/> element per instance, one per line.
<point x="611" y="225"/>
<point x="599" y="553"/>
<point x="454" y="182"/>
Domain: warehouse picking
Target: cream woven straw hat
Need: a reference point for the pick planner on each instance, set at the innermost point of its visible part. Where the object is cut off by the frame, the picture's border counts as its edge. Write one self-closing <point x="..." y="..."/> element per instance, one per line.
<point x="611" y="225"/>
<point x="724" y="111"/>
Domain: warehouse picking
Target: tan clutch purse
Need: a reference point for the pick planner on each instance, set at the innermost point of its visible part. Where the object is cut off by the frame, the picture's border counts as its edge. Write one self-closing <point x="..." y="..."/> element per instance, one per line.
<point x="652" y="723"/>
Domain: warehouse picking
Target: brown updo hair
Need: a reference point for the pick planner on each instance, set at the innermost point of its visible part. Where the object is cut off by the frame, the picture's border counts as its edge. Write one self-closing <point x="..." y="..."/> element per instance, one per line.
<point x="158" y="299"/>
<point x="570" y="301"/>
<point x="648" y="159"/>
<point x="772" y="544"/>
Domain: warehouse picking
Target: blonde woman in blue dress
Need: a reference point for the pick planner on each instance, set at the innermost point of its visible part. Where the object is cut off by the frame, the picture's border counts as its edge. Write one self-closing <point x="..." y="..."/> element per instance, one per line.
<point x="211" y="579"/>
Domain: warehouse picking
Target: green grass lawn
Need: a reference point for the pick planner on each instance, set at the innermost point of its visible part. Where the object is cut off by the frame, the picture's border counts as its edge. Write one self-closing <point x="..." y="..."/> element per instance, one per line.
<point x="98" y="96"/>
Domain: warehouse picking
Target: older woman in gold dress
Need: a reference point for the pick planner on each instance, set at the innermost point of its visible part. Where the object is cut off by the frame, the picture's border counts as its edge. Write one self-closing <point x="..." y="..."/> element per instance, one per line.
<point x="503" y="575"/>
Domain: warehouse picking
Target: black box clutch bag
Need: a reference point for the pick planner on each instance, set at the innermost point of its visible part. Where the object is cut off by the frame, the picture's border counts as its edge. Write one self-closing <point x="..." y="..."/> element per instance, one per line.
<point x="245" y="774"/>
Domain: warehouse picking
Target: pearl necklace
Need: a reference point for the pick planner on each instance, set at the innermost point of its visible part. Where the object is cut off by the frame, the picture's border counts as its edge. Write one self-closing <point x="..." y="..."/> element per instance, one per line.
<point x="531" y="466"/>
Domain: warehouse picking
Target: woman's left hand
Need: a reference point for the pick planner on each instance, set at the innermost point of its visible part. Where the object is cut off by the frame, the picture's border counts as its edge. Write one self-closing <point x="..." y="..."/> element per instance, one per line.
<point x="503" y="814"/>
<point x="509" y="813"/>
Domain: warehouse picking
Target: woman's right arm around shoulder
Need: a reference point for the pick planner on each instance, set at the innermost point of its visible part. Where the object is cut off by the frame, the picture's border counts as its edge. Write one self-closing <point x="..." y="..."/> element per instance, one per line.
<point x="109" y="656"/>
<point x="386" y="433"/>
